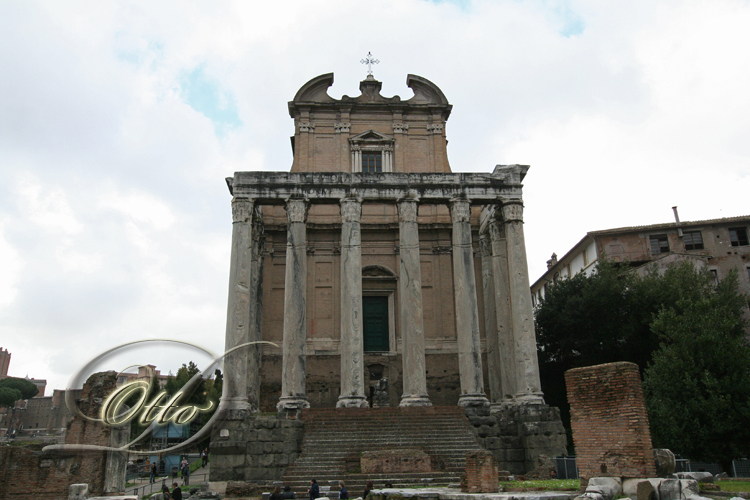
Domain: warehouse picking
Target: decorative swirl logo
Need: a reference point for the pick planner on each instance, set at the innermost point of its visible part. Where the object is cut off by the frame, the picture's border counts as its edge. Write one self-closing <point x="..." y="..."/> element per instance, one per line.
<point x="158" y="412"/>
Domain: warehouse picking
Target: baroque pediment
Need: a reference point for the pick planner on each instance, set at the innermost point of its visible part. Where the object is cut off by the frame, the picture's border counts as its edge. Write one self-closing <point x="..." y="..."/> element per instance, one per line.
<point x="370" y="136"/>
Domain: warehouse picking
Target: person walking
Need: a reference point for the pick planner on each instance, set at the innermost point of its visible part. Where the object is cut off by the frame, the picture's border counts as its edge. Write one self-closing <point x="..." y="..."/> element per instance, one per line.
<point x="153" y="473"/>
<point x="314" y="490"/>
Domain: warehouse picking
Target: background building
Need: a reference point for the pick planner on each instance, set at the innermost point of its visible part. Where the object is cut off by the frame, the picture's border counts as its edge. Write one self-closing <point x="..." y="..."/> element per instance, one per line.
<point x="721" y="245"/>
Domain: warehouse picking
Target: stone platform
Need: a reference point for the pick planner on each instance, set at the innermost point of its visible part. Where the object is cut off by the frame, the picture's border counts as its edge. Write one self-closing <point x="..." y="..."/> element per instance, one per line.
<point x="456" y="494"/>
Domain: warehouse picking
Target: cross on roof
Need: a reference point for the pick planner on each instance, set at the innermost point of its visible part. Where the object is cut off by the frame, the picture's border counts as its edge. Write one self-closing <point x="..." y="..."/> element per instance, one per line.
<point x="369" y="61"/>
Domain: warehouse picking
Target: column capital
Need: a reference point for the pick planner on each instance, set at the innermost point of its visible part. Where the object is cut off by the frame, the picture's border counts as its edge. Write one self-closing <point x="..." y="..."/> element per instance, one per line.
<point x="407" y="207"/>
<point x="242" y="209"/>
<point x="351" y="209"/>
<point x="512" y="212"/>
<point x="296" y="209"/>
<point x="460" y="210"/>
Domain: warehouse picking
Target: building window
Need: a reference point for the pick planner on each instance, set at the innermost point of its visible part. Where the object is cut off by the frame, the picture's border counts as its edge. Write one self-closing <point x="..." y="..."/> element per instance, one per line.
<point x="738" y="236"/>
<point x="714" y="276"/>
<point x="659" y="244"/>
<point x="693" y="240"/>
<point x="372" y="162"/>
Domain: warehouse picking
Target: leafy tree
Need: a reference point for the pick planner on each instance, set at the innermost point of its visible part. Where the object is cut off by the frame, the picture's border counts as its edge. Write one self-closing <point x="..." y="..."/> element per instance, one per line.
<point x="9" y="396"/>
<point x="589" y="320"/>
<point x="27" y="389"/>
<point x="698" y="386"/>
<point x="616" y="315"/>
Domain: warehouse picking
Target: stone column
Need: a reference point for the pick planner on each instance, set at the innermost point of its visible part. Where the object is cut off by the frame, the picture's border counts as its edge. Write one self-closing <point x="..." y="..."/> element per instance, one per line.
<point x="256" y="312"/>
<point x="467" y="309"/>
<point x="410" y="303"/>
<point x="234" y="395"/>
<point x="528" y="387"/>
<point x="293" y="393"/>
<point x="352" y="343"/>
<point x="506" y="349"/>
<point x="490" y="316"/>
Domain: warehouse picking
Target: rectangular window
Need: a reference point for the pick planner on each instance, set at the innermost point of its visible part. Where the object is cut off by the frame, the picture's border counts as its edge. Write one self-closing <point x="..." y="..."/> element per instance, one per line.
<point x="714" y="276"/>
<point x="693" y="240"/>
<point x="738" y="236"/>
<point x="659" y="244"/>
<point x="372" y="162"/>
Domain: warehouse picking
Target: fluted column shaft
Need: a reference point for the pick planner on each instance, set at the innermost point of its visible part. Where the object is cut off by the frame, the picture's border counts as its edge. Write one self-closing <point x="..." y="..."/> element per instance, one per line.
<point x="293" y="392"/>
<point x="467" y="309"/>
<point x="506" y="348"/>
<point x="256" y="313"/>
<point x="234" y="395"/>
<point x="490" y="317"/>
<point x="528" y="387"/>
<point x="352" y="343"/>
<point x="410" y="291"/>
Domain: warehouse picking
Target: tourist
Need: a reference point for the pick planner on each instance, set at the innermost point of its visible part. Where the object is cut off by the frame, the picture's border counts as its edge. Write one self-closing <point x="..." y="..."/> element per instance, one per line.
<point x="368" y="489"/>
<point x="185" y="468"/>
<point x="153" y="473"/>
<point x="176" y="492"/>
<point x="204" y="457"/>
<point x="276" y="495"/>
<point x="165" y="493"/>
<point x="314" y="490"/>
<point x="343" y="494"/>
<point x="288" y="493"/>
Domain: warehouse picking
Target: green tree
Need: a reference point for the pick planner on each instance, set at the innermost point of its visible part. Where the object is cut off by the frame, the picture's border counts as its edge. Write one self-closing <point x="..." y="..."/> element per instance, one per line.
<point x="698" y="385"/>
<point x="589" y="320"/>
<point x="9" y="396"/>
<point x="27" y="389"/>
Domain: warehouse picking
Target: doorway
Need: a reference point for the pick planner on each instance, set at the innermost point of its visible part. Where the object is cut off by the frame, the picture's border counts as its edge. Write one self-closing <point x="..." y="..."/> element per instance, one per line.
<point x="375" y="323"/>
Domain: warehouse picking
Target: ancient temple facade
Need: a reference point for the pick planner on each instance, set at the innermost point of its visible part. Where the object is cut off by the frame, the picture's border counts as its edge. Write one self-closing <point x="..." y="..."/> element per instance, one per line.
<point x="382" y="277"/>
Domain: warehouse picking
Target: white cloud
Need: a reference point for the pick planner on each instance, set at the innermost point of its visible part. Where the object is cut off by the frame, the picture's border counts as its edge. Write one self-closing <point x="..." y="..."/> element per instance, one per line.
<point x="114" y="214"/>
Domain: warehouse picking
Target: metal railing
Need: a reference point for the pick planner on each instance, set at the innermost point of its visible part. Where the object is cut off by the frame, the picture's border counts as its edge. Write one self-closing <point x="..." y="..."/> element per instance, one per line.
<point x="566" y="468"/>
<point x="146" y="489"/>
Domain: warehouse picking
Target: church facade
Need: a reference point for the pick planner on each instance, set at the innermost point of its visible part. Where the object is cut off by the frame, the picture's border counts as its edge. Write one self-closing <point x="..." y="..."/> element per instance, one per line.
<point x="382" y="278"/>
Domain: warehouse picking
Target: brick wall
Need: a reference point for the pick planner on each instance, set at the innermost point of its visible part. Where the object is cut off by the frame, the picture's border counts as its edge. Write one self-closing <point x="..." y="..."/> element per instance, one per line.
<point x="481" y="474"/>
<point x="609" y="421"/>
<point x="27" y="473"/>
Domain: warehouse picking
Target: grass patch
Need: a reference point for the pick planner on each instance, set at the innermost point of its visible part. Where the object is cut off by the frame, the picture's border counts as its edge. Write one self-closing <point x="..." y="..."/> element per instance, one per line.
<point x="547" y="484"/>
<point x="734" y="485"/>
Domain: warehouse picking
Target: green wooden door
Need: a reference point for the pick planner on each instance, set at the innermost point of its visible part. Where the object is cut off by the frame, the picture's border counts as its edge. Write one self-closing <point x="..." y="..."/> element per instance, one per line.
<point x="375" y="323"/>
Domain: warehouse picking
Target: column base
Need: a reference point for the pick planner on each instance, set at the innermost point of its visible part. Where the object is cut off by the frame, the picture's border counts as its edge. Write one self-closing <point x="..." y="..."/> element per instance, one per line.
<point x="235" y="404"/>
<point x="529" y="399"/>
<point x="287" y="403"/>
<point x="477" y="400"/>
<point x="352" y="402"/>
<point x="415" y="400"/>
<point x="502" y="406"/>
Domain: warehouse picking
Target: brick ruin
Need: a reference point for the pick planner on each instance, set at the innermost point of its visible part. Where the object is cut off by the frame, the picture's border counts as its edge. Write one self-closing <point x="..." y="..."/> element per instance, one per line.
<point x="609" y="421"/>
<point x="28" y="473"/>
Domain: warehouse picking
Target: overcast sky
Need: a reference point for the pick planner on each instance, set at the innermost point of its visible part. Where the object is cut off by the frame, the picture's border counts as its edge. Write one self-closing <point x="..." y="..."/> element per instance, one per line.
<point x="120" y="121"/>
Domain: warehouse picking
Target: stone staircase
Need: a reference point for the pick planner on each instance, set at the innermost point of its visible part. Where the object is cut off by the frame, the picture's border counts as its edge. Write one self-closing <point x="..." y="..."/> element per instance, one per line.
<point x="335" y="438"/>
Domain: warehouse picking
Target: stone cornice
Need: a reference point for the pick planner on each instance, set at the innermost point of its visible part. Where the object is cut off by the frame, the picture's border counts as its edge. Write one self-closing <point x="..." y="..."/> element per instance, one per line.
<point x="501" y="186"/>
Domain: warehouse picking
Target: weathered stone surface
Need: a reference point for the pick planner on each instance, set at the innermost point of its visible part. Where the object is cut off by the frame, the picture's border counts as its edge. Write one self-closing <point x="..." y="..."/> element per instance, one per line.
<point x="665" y="462"/>
<point x="395" y="461"/>
<point x="701" y="477"/>
<point x="243" y="489"/>
<point x="607" y="487"/>
<point x="78" y="491"/>
<point x="545" y="469"/>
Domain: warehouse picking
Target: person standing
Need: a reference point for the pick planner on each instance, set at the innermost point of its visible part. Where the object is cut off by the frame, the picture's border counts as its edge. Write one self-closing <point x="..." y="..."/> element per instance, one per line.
<point x="185" y="467"/>
<point x="314" y="490"/>
<point x="153" y="473"/>
<point x="368" y="489"/>
<point x="176" y="492"/>
<point x="343" y="493"/>
<point x="204" y="457"/>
